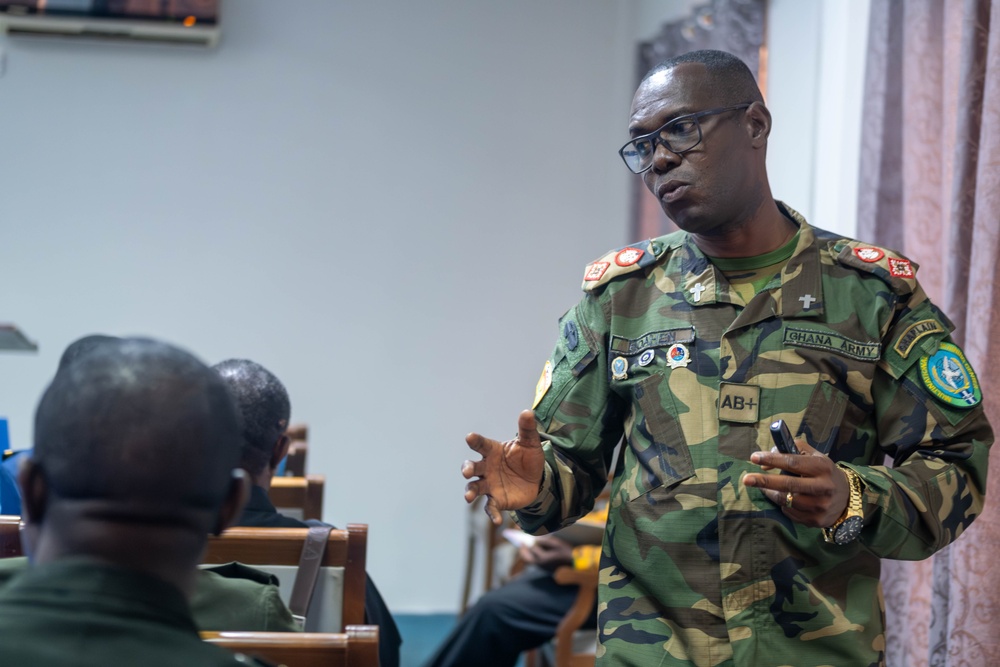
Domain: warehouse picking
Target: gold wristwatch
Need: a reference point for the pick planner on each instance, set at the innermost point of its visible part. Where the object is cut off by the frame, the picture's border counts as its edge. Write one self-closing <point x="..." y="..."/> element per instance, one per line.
<point x="847" y="528"/>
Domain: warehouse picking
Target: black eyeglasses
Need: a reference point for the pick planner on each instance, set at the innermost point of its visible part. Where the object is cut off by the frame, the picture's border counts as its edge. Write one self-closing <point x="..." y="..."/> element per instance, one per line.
<point x="678" y="136"/>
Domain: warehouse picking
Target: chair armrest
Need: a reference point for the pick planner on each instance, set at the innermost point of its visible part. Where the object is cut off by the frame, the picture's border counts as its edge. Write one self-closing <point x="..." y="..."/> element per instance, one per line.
<point x="578" y="614"/>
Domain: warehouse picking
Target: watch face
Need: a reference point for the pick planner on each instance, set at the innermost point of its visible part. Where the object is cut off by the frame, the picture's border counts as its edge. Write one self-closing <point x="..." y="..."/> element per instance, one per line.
<point x="849" y="530"/>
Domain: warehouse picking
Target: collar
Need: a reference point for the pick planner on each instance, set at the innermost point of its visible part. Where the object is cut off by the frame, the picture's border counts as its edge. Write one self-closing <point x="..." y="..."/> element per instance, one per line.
<point x="801" y="286"/>
<point x="259" y="501"/>
<point x="86" y="584"/>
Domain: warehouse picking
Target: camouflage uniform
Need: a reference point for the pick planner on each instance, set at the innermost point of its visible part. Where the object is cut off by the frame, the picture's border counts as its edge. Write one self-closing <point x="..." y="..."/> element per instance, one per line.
<point x="697" y="569"/>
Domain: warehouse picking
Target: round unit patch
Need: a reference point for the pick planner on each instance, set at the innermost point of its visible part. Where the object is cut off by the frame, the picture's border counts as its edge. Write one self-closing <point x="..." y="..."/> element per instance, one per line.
<point x="619" y="368"/>
<point x="678" y="355"/>
<point x="646" y="358"/>
<point x="948" y="376"/>
<point x="572" y="335"/>
<point x="628" y="256"/>
<point x="869" y="254"/>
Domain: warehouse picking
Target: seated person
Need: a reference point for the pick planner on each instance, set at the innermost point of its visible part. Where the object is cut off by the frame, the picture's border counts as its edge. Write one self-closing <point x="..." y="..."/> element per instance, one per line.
<point x="134" y="462"/>
<point x="525" y="612"/>
<point x="266" y="409"/>
<point x="10" y="499"/>
<point x="230" y="597"/>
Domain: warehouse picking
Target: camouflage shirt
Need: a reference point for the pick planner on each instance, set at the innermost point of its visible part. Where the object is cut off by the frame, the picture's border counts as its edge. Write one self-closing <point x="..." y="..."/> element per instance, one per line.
<point x="697" y="569"/>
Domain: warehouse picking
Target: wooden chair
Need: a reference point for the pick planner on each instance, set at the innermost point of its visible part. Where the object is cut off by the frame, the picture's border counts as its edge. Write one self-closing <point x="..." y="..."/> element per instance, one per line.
<point x="357" y="647"/>
<point x="572" y="646"/>
<point x="295" y="461"/>
<point x="483" y="544"/>
<point x="298" y="497"/>
<point x="278" y="550"/>
<point x="10" y="536"/>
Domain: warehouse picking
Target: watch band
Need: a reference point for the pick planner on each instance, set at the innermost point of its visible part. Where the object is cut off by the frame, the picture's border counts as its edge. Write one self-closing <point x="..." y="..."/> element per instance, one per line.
<point x="848" y="527"/>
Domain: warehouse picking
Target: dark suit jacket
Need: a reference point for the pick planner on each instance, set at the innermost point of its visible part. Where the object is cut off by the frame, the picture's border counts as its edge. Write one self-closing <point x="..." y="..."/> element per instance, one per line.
<point x="260" y="512"/>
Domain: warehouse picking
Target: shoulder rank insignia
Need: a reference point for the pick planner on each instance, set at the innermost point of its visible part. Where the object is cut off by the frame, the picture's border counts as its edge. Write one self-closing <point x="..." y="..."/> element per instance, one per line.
<point x="950" y="378"/>
<point x="628" y="256"/>
<point x="899" y="272"/>
<point x="901" y="268"/>
<point x="868" y="254"/>
<point x="621" y="261"/>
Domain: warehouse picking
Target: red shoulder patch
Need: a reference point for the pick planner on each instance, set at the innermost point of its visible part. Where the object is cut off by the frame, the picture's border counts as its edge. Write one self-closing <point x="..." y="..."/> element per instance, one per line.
<point x="596" y="270"/>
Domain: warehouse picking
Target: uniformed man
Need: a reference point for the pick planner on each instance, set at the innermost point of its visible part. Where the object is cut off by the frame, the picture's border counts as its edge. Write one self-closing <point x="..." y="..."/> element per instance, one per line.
<point x="135" y="461"/>
<point x="718" y="549"/>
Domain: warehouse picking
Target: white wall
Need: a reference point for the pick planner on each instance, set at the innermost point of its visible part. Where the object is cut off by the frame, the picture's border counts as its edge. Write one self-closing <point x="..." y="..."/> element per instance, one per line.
<point x="816" y="52"/>
<point x="386" y="203"/>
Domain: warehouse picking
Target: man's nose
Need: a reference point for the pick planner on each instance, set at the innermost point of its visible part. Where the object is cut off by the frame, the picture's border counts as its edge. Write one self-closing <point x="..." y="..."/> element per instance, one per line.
<point x="664" y="158"/>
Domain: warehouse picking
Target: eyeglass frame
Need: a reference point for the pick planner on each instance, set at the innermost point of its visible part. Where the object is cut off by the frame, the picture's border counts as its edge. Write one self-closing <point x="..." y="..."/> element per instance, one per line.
<point x="654" y="136"/>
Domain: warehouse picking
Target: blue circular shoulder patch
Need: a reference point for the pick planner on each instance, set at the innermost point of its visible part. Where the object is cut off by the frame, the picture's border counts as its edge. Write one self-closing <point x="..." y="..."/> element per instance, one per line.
<point x="950" y="378"/>
<point x="572" y="336"/>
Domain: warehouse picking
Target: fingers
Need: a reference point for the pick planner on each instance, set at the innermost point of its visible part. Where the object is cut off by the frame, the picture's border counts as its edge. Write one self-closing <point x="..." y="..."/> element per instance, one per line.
<point x="775" y="459"/>
<point x="807" y="449"/>
<point x="472" y="491"/>
<point x="472" y="469"/>
<point x="478" y="443"/>
<point x="803" y="463"/>
<point x="777" y="489"/>
<point x="492" y="512"/>
<point x="527" y="430"/>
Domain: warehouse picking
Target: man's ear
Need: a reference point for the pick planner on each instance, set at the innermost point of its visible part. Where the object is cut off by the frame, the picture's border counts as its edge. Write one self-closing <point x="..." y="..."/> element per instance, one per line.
<point x="236" y="499"/>
<point x="34" y="503"/>
<point x="759" y="124"/>
<point x="34" y="491"/>
<point x="280" y="451"/>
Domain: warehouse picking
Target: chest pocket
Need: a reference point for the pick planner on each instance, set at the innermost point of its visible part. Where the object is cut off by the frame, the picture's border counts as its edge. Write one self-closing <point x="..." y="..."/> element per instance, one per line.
<point x="833" y="424"/>
<point x="656" y="453"/>
<point x="833" y="420"/>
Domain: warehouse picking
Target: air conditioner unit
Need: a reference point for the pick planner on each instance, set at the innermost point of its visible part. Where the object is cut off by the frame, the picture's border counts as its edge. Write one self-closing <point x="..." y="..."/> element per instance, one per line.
<point x="31" y="18"/>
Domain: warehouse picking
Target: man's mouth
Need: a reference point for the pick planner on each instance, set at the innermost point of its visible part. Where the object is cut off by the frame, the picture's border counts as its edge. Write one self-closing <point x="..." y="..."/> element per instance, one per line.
<point x="671" y="190"/>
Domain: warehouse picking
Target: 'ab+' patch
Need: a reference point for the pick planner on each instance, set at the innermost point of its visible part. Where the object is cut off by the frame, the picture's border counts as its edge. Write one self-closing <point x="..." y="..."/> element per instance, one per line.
<point x="739" y="402"/>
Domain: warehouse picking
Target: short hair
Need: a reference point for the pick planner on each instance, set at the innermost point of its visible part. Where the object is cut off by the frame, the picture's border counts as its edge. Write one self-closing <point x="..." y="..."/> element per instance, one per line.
<point x="82" y="346"/>
<point x="138" y="420"/>
<point x="731" y="78"/>
<point x="263" y="402"/>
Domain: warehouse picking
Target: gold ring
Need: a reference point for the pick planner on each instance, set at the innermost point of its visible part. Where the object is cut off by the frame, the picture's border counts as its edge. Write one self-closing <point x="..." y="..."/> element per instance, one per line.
<point x="788" y="499"/>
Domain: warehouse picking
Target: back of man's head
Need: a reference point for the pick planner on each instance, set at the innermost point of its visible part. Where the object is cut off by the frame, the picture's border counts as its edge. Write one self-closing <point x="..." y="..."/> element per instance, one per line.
<point x="264" y="406"/>
<point x="731" y="79"/>
<point x="138" y="425"/>
<point x="83" y="346"/>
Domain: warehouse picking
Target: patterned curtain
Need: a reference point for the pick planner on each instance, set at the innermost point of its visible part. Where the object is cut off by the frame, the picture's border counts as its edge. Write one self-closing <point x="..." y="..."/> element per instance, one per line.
<point x="736" y="26"/>
<point x="930" y="187"/>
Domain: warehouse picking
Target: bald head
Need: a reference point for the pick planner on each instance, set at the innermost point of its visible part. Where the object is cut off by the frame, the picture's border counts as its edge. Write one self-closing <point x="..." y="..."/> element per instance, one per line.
<point x="137" y="421"/>
<point x="83" y="346"/>
<point x="729" y="78"/>
<point x="264" y="407"/>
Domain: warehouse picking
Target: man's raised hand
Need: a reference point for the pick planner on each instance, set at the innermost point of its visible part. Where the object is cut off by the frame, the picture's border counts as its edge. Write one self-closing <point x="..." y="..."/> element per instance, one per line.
<point x="510" y="473"/>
